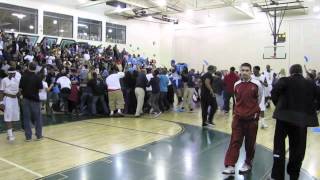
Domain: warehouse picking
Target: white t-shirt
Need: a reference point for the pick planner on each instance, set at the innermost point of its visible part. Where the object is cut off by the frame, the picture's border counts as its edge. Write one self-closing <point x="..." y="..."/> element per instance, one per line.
<point x="113" y="81"/>
<point x="29" y="58"/>
<point x="269" y="76"/>
<point x="10" y="86"/>
<point x="86" y="57"/>
<point x="43" y="92"/>
<point x="64" y="82"/>
<point x="50" y="59"/>
<point x="260" y="78"/>
<point x="149" y="76"/>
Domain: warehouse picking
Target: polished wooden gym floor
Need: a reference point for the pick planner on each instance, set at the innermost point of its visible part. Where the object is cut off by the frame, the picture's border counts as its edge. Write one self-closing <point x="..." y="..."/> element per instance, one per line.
<point x="172" y="146"/>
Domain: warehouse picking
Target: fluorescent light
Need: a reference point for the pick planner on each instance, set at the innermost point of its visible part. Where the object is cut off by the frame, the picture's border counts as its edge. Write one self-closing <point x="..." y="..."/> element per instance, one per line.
<point x="316" y="9"/>
<point x="12" y="30"/>
<point x="61" y="30"/>
<point x="161" y="3"/>
<point x="82" y="1"/>
<point x="31" y="27"/>
<point x="244" y="5"/>
<point x="55" y="22"/>
<point x="189" y="13"/>
<point x="83" y="25"/>
<point x="110" y="30"/>
<point x="20" y="16"/>
<point x="118" y="9"/>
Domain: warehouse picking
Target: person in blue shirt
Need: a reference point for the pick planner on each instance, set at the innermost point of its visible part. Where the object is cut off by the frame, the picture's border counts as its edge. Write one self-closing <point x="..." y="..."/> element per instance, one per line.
<point x="164" y="82"/>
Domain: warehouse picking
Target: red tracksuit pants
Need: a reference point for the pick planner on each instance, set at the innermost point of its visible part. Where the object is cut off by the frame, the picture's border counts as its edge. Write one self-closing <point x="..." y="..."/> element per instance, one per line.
<point x="242" y="129"/>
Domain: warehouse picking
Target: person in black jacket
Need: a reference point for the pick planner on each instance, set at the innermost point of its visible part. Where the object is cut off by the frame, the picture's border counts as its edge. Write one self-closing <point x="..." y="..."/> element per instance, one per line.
<point x="295" y="100"/>
<point x="98" y="90"/>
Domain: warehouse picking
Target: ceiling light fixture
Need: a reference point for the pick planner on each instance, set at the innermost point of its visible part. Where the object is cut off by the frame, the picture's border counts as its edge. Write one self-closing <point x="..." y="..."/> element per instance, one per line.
<point x="55" y="22"/>
<point x="161" y="3"/>
<point x="31" y="27"/>
<point x="316" y="9"/>
<point x="20" y="16"/>
<point x="244" y="5"/>
<point x="189" y="12"/>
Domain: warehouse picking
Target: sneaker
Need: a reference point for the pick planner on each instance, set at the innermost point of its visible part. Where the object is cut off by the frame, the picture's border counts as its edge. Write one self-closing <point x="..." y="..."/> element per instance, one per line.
<point x="244" y="169"/>
<point x="11" y="138"/>
<point x="211" y="124"/>
<point x="151" y="111"/>
<point x="205" y="125"/>
<point x="264" y="126"/>
<point x="157" y="115"/>
<point x="229" y="170"/>
<point x="39" y="139"/>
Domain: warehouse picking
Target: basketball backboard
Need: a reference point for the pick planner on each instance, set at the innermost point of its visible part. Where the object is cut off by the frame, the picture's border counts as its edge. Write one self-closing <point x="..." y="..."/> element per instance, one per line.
<point x="275" y="52"/>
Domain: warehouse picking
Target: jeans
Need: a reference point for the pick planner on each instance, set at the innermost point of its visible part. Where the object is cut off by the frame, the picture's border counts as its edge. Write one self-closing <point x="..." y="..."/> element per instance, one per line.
<point x="32" y="113"/>
<point x="220" y="101"/>
<point x="101" y="99"/>
<point x="85" y="99"/>
<point x="154" y="102"/>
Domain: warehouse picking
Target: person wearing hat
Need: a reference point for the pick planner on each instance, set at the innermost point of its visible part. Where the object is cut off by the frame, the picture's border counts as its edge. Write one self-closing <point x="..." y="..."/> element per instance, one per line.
<point x="30" y="85"/>
<point x="9" y="90"/>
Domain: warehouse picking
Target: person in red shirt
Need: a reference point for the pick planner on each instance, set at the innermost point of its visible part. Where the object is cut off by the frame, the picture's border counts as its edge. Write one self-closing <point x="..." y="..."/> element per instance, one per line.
<point x="248" y="94"/>
<point x="229" y="81"/>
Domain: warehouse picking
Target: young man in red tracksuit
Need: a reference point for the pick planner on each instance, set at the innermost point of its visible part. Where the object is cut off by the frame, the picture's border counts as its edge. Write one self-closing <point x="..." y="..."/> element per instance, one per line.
<point x="248" y="94"/>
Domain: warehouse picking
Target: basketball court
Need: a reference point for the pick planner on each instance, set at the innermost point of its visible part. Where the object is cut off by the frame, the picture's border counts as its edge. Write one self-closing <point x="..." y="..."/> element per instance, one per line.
<point x="173" y="146"/>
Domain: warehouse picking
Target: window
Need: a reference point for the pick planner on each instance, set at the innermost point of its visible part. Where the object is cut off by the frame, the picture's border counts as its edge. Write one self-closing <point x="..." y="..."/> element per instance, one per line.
<point x="32" y="39"/>
<point x="66" y="42"/>
<point x="49" y="41"/>
<point x="115" y="33"/>
<point x="89" y="29"/>
<point x="57" y="24"/>
<point x="18" y="19"/>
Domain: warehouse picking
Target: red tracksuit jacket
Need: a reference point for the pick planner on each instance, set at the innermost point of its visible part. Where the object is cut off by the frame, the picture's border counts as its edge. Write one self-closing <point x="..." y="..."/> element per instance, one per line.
<point x="248" y="96"/>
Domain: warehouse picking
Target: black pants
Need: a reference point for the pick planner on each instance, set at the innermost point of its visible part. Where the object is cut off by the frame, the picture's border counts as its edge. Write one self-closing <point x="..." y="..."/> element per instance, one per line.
<point x="164" y="104"/>
<point x="207" y="114"/>
<point x="297" y="146"/>
<point x="226" y="98"/>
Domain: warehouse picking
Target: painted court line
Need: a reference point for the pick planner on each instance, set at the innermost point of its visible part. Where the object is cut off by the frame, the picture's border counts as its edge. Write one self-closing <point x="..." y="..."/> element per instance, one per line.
<point x="20" y="167"/>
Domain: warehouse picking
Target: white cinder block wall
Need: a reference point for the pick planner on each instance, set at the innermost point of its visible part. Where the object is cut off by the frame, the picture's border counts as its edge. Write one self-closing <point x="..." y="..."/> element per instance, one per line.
<point x="230" y="45"/>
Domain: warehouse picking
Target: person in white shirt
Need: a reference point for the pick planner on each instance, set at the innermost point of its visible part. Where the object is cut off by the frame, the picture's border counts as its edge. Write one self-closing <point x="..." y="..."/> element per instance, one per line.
<point x="268" y="73"/>
<point x="116" y="101"/>
<point x="86" y="56"/>
<point x="262" y="79"/>
<point x="50" y="59"/>
<point x="65" y="85"/>
<point x="9" y="90"/>
<point x="43" y="92"/>
<point x="29" y="58"/>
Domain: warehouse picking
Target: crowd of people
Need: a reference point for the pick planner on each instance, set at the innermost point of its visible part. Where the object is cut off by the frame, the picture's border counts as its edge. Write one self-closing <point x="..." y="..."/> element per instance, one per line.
<point x="92" y="80"/>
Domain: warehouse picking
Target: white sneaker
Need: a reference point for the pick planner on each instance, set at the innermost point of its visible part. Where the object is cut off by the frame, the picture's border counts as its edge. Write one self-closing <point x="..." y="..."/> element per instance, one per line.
<point x="229" y="170"/>
<point x="245" y="168"/>
<point x="11" y="138"/>
<point x="264" y="126"/>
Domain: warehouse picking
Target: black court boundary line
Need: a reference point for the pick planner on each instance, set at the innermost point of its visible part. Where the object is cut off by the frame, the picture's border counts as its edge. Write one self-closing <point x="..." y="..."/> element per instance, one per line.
<point x="53" y="139"/>
<point x="111" y="155"/>
<point x="137" y="130"/>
